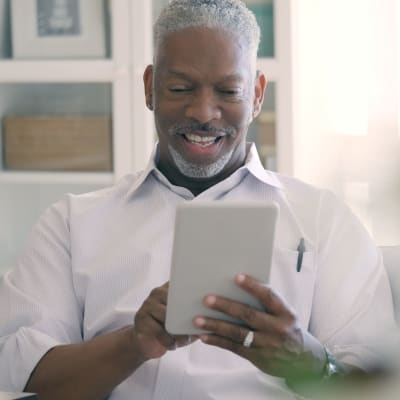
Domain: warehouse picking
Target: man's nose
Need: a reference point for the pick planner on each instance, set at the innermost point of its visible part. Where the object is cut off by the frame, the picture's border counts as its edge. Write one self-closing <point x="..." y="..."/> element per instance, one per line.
<point x="203" y="106"/>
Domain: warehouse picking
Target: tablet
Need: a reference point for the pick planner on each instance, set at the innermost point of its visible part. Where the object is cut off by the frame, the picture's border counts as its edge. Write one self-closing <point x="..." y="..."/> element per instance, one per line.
<point x="213" y="242"/>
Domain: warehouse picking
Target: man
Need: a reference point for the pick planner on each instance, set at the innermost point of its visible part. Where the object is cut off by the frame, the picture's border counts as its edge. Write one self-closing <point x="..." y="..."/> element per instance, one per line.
<point x="82" y="314"/>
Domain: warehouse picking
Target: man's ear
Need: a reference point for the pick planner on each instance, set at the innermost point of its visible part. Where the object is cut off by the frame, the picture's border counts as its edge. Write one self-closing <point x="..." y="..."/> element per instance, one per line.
<point x="259" y="90"/>
<point x="148" y="86"/>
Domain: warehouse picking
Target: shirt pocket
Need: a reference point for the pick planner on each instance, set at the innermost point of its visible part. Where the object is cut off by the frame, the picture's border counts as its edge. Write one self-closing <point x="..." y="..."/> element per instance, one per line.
<point x="297" y="288"/>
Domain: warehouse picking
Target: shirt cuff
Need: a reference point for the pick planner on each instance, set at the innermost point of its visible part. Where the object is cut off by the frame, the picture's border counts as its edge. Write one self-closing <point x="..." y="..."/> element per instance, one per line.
<point x="19" y="355"/>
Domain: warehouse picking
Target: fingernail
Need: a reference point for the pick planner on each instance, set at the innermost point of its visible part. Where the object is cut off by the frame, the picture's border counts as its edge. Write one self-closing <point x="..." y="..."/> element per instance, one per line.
<point x="203" y="338"/>
<point x="200" y="321"/>
<point x="210" y="300"/>
<point x="240" y="278"/>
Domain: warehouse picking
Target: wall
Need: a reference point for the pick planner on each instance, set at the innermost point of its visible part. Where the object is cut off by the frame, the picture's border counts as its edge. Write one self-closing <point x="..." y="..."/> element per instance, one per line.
<point x="347" y="106"/>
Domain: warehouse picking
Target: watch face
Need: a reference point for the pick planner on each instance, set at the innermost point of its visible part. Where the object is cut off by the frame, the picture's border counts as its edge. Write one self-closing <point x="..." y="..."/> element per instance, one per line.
<point x="331" y="367"/>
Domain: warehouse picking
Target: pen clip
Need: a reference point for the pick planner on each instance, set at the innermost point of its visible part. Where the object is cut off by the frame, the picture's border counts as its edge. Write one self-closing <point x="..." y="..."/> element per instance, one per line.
<point x="301" y="248"/>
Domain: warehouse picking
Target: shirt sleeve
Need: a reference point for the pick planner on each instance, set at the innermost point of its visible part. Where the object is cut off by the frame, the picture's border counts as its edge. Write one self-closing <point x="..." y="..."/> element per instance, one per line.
<point x="38" y="306"/>
<point x="352" y="311"/>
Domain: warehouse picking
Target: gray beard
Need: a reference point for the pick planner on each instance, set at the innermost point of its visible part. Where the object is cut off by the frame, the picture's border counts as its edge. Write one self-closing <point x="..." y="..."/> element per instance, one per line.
<point x="196" y="170"/>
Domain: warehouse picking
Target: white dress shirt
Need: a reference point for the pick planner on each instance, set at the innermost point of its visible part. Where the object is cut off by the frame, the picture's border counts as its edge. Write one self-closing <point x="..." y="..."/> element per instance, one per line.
<point x="92" y="259"/>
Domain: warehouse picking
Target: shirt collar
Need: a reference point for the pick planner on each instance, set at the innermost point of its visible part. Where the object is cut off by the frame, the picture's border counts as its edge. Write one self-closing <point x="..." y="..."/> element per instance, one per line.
<point x="150" y="167"/>
<point x="252" y="165"/>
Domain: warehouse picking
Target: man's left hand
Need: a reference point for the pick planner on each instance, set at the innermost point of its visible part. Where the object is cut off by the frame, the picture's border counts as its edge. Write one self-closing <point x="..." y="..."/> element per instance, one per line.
<point x="280" y="346"/>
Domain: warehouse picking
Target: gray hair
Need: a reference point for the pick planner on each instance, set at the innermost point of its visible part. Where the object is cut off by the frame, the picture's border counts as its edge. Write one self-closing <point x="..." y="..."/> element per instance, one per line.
<point x="231" y="16"/>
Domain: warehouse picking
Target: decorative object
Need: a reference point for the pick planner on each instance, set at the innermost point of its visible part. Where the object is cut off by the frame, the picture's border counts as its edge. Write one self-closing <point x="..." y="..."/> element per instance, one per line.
<point x="57" y="143"/>
<point x="51" y="29"/>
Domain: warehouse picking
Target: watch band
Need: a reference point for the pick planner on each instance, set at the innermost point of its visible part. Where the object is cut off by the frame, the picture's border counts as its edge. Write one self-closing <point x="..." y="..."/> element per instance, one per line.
<point x="332" y="368"/>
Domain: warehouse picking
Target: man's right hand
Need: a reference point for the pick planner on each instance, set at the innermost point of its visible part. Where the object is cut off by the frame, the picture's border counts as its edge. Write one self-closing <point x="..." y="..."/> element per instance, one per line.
<point x="149" y="334"/>
<point x="92" y="369"/>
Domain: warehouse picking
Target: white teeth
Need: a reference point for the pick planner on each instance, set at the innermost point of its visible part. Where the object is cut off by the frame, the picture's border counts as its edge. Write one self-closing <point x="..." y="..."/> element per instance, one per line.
<point x="200" y="140"/>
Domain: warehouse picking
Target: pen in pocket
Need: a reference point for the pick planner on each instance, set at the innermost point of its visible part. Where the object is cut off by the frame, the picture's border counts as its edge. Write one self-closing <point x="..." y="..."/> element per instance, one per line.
<point x="300" y="249"/>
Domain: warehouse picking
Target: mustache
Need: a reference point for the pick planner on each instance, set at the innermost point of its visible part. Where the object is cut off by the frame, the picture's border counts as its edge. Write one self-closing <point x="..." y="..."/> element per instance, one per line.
<point x="184" y="128"/>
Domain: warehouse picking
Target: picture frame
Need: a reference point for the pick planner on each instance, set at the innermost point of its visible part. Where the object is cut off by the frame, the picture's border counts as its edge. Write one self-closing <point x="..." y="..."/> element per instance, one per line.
<point x="58" y="29"/>
<point x="4" y="30"/>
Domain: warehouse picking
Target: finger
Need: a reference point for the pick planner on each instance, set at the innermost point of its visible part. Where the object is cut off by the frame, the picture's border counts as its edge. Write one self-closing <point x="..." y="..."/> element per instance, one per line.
<point x="157" y="311"/>
<point x="224" y="343"/>
<point x="262" y="339"/>
<point x="256" y="319"/>
<point x="160" y="293"/>
<point x="233" y="332"/>
<point x="149" y="328"/>
<point x="185" y="340"/>
<point x="215" y="340"/>
<point x="153" y="307"/>
<point x="269" y="298"/>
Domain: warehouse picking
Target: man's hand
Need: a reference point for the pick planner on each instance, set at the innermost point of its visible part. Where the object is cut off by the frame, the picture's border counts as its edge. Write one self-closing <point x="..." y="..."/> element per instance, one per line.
<point x="149" y="332"/>
<point x="92" y="369"/>
<point x="280" y="347"/>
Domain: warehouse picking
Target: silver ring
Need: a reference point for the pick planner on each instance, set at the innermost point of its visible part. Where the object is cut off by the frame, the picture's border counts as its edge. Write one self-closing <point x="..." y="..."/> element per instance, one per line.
<point x="248" y="340"/>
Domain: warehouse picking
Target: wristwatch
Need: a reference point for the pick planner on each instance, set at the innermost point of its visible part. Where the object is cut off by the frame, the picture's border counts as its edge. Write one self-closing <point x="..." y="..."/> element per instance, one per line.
<point x="332" y="368"/>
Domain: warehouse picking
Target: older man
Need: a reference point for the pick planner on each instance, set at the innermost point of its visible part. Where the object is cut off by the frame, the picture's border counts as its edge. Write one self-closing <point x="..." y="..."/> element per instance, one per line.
<point x="85" y="306"/>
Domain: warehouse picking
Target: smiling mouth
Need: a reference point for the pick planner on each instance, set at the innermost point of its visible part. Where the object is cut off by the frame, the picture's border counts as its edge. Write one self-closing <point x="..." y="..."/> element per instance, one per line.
<point x="202" y="141"/>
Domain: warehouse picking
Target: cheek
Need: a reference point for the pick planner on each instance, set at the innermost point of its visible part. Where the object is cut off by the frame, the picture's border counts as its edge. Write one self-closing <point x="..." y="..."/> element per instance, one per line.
<point x="168" y="113"/>
<point x="164" y="118"/>
<point x="240" y="117"/>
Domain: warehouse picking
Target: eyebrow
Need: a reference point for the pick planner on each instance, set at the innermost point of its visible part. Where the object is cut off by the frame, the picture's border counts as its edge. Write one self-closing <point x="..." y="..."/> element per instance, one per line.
<point x="183" y="75"/>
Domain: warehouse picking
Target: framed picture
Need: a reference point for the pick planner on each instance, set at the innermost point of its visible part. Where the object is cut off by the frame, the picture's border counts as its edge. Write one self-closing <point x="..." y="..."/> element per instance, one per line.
<point x="4" y="30"/>
<point x="51" y="29"/>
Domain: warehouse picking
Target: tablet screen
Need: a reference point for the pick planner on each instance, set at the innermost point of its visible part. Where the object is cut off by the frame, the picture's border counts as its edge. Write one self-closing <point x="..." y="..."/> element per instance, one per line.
<point x="213" y="242"/>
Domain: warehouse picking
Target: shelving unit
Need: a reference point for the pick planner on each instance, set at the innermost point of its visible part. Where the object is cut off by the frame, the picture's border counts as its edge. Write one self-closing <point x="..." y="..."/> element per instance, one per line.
<point x="17" y="71"/>
<point x="24" y="195"/>
<point x="95" y="178"/>
<point x="95" y="86"/>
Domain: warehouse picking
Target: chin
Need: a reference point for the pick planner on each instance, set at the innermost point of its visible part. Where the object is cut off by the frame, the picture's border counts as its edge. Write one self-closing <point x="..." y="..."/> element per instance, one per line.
<point x="197" y="170"/>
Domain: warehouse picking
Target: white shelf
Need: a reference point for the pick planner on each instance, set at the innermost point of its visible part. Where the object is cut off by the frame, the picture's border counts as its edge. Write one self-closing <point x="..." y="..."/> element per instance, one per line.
<point x="17" y="71"/>
<point x="18" y="177"/>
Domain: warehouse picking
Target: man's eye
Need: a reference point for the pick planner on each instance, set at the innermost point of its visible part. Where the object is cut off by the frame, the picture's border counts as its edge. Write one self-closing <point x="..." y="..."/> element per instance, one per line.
<point x="231" y="92"/>
<point x="179" y="89"/>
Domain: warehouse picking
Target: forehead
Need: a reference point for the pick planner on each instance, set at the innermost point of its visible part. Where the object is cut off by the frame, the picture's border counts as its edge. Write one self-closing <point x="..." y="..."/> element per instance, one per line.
<point x="203" y="51"/>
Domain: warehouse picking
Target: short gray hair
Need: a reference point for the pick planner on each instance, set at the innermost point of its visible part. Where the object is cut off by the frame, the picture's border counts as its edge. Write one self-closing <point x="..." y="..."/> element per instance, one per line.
<point x="231" y="16"/>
